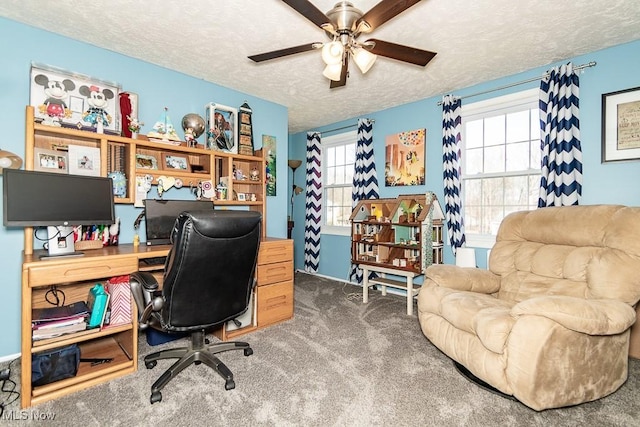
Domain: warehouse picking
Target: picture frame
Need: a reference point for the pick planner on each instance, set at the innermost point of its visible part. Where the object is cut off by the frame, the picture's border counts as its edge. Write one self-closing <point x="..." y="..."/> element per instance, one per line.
<point x="146" y="161"/>
<point x="405" y="158"/>
<point x="74" y="100"/>
<point x="84" y="160"/>
<point x="50" y="160"/>
<point x="175" y="161"/>
<point x="242" y="197"/>
<point x="221" y="128"/>
<point x="621" y="125"/>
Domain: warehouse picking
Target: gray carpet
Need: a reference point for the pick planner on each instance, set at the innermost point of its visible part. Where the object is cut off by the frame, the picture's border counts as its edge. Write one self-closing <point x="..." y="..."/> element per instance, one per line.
<point x="337" y="363"/>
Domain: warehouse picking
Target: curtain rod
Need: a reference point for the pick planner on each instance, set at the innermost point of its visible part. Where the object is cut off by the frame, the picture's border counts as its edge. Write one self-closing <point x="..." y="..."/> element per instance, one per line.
<point x="579" y="67"/>
<point x="345" y="127"/>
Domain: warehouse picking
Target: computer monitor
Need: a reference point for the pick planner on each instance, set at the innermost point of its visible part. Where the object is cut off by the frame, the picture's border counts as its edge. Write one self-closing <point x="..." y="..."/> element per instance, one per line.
<point x="160" y="217"/>
<point x="58" y="202"/>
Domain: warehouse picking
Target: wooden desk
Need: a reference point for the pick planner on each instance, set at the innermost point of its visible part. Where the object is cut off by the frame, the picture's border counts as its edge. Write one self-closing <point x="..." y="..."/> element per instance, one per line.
<point x="76" y="275"/>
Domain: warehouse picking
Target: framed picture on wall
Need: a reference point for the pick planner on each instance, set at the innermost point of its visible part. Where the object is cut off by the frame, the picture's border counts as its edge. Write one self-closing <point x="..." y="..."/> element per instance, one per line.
<point x="621" y="125"/>
<point x="221" y="128"/>
<point x="405" y="157"/>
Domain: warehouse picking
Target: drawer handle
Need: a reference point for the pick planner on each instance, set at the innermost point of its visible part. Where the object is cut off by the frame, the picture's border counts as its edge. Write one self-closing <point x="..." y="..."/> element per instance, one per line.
<point x="277" y="301"/>
<point x="83" y="270"/>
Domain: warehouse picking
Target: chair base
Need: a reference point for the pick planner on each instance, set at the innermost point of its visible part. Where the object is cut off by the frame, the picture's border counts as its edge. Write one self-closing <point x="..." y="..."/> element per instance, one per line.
<point x="198" y="352"/>
<point x="477" y="381"/>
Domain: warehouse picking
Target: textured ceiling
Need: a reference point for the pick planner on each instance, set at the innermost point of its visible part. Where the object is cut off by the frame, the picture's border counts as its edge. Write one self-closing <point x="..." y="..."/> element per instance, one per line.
<point x="475" y="40"/>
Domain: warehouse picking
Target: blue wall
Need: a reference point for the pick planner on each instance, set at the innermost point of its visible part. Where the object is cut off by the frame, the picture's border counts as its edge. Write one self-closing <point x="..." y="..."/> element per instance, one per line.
<point x="616" y="183"/>
<point x="157" y="87"/>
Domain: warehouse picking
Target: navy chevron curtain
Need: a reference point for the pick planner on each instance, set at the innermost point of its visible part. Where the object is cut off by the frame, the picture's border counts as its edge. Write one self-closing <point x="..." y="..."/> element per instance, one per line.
<point x="365" y="180"/>
<point x="561" y="181"/>
<point x="451" y="172"/>
<point x="313" y="205"/>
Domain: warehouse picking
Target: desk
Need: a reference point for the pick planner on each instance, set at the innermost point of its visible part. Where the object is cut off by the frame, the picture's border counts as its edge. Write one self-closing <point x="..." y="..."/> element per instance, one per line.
<point x="407" y="285"/>
<point x="76" y="275"/>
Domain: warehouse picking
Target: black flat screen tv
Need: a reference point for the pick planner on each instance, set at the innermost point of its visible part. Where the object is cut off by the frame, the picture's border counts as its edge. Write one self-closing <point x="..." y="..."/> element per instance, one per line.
<point x="34" y="199"/>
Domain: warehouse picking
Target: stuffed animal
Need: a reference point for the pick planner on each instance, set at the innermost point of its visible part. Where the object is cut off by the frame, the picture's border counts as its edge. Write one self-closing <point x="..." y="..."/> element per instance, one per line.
<point x="54" y="106"/>
<point x="98" y="100"/>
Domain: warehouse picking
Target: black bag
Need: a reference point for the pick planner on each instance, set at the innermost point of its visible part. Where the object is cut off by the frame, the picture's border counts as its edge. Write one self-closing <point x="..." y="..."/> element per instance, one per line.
<point x="55" y="365"/>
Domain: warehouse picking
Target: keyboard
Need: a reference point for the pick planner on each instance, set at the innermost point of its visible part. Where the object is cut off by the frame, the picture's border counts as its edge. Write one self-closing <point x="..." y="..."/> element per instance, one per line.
<point x="159" y="260"/>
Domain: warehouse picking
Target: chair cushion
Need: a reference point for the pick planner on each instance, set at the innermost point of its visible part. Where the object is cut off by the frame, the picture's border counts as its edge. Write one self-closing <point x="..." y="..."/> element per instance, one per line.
<point x="479" y="314"/>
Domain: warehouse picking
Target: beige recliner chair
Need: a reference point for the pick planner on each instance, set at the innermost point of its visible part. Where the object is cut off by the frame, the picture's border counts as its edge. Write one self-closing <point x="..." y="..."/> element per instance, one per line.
<point x="549" y="322"/>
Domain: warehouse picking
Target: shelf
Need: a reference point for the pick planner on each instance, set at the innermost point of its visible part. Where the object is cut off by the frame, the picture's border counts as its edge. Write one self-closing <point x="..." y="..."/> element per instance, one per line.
<point x="118" y="153"/>
<point x="77" y="337"/>
<point x="101" y="348"/>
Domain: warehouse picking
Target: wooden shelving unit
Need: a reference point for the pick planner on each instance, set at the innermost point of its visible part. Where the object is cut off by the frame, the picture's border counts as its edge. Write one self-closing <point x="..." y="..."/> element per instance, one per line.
<point x="75" y="276"/>
<point x="124" y="155"/>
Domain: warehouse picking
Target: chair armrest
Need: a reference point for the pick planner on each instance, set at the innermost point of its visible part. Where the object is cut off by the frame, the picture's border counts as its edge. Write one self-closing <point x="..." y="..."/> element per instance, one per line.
<point x="143" y="288"/>
<point x="462" y="278"/>
<point x="593" y="317"/>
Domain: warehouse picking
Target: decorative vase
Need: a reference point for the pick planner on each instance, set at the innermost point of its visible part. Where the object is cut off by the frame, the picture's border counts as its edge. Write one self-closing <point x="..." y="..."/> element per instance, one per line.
<point x="134" y="135"/>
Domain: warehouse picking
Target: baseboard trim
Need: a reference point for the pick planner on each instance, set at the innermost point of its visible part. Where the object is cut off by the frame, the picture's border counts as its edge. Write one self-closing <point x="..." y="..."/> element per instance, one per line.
<point x="389" y="289"/>
<point x="9" y="357"/>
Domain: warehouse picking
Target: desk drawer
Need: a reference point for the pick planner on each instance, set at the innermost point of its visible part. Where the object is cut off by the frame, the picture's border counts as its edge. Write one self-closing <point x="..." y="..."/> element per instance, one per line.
<point x="272" y="251"/>
<point x="274" y="273"/>
<point x="275" y="303"/>
<point x="78" y="271"/>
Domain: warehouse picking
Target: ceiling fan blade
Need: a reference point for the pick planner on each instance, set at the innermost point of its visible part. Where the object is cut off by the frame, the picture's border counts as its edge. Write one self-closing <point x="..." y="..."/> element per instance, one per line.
<point x="401" y="53"/>
<point x="309" y="11"/>
<point x="381" y="13"/>
<point x="343" y="76"/>
<point x="284" y="52"/>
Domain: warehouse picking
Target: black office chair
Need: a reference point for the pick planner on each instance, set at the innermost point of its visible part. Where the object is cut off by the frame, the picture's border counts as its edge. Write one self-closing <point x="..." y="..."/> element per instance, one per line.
<point x="208" y="280"/>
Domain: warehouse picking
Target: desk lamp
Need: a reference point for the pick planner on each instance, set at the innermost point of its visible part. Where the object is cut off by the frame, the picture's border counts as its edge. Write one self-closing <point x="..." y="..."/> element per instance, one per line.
<point x="8" y="160"/>
<point x="295" y="190"/>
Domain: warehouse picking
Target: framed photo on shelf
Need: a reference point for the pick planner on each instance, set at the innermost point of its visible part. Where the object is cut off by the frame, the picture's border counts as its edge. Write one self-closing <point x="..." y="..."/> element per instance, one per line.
<point x="73" y="100"/>
<point x="84" y="160"/>
<point x="621" y="125"/>
<point x="221" y="128"/>
<point x="50" y="160"/>
<point x="242" y="197"/>
<point x="175" y="162"/>
<point x="145" y="161"/>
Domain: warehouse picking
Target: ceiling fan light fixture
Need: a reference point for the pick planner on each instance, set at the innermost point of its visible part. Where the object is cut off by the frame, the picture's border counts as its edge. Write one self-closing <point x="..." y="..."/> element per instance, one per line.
<point x="363" y="59"/>
<point x="332" y="52"/>
<point x="333" y="71"/>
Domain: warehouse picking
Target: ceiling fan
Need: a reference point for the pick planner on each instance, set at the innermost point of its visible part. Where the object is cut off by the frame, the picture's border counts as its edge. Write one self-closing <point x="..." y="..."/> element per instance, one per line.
<point x="343" y="24"/>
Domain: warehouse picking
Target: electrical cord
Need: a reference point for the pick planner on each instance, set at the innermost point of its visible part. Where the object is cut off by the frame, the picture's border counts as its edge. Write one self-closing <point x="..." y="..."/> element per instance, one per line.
<point x="46" y="240"/>
<point x="8" y="386"/>
<point x="52" y="296"/>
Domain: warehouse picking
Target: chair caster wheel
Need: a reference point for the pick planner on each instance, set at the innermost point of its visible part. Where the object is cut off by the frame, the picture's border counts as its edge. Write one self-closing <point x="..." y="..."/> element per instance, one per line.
<point x="150" y="365"/>
<point x="197" y="362"/>
<point x="248" y="351"/>
<point x="207" y="341"/>
<point x="156" y="396"/>
<point x="229" y="385"/>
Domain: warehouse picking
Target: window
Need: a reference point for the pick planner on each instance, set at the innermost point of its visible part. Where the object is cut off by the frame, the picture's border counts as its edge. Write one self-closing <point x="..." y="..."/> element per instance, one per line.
<point x="338" y="162"/>
<point x="500" y="162"/>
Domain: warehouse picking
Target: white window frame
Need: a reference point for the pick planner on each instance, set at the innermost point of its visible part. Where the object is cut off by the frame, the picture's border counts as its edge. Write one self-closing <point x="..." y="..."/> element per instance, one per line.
<point x="344" y="138"/>
<point x="500" y="105"/>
